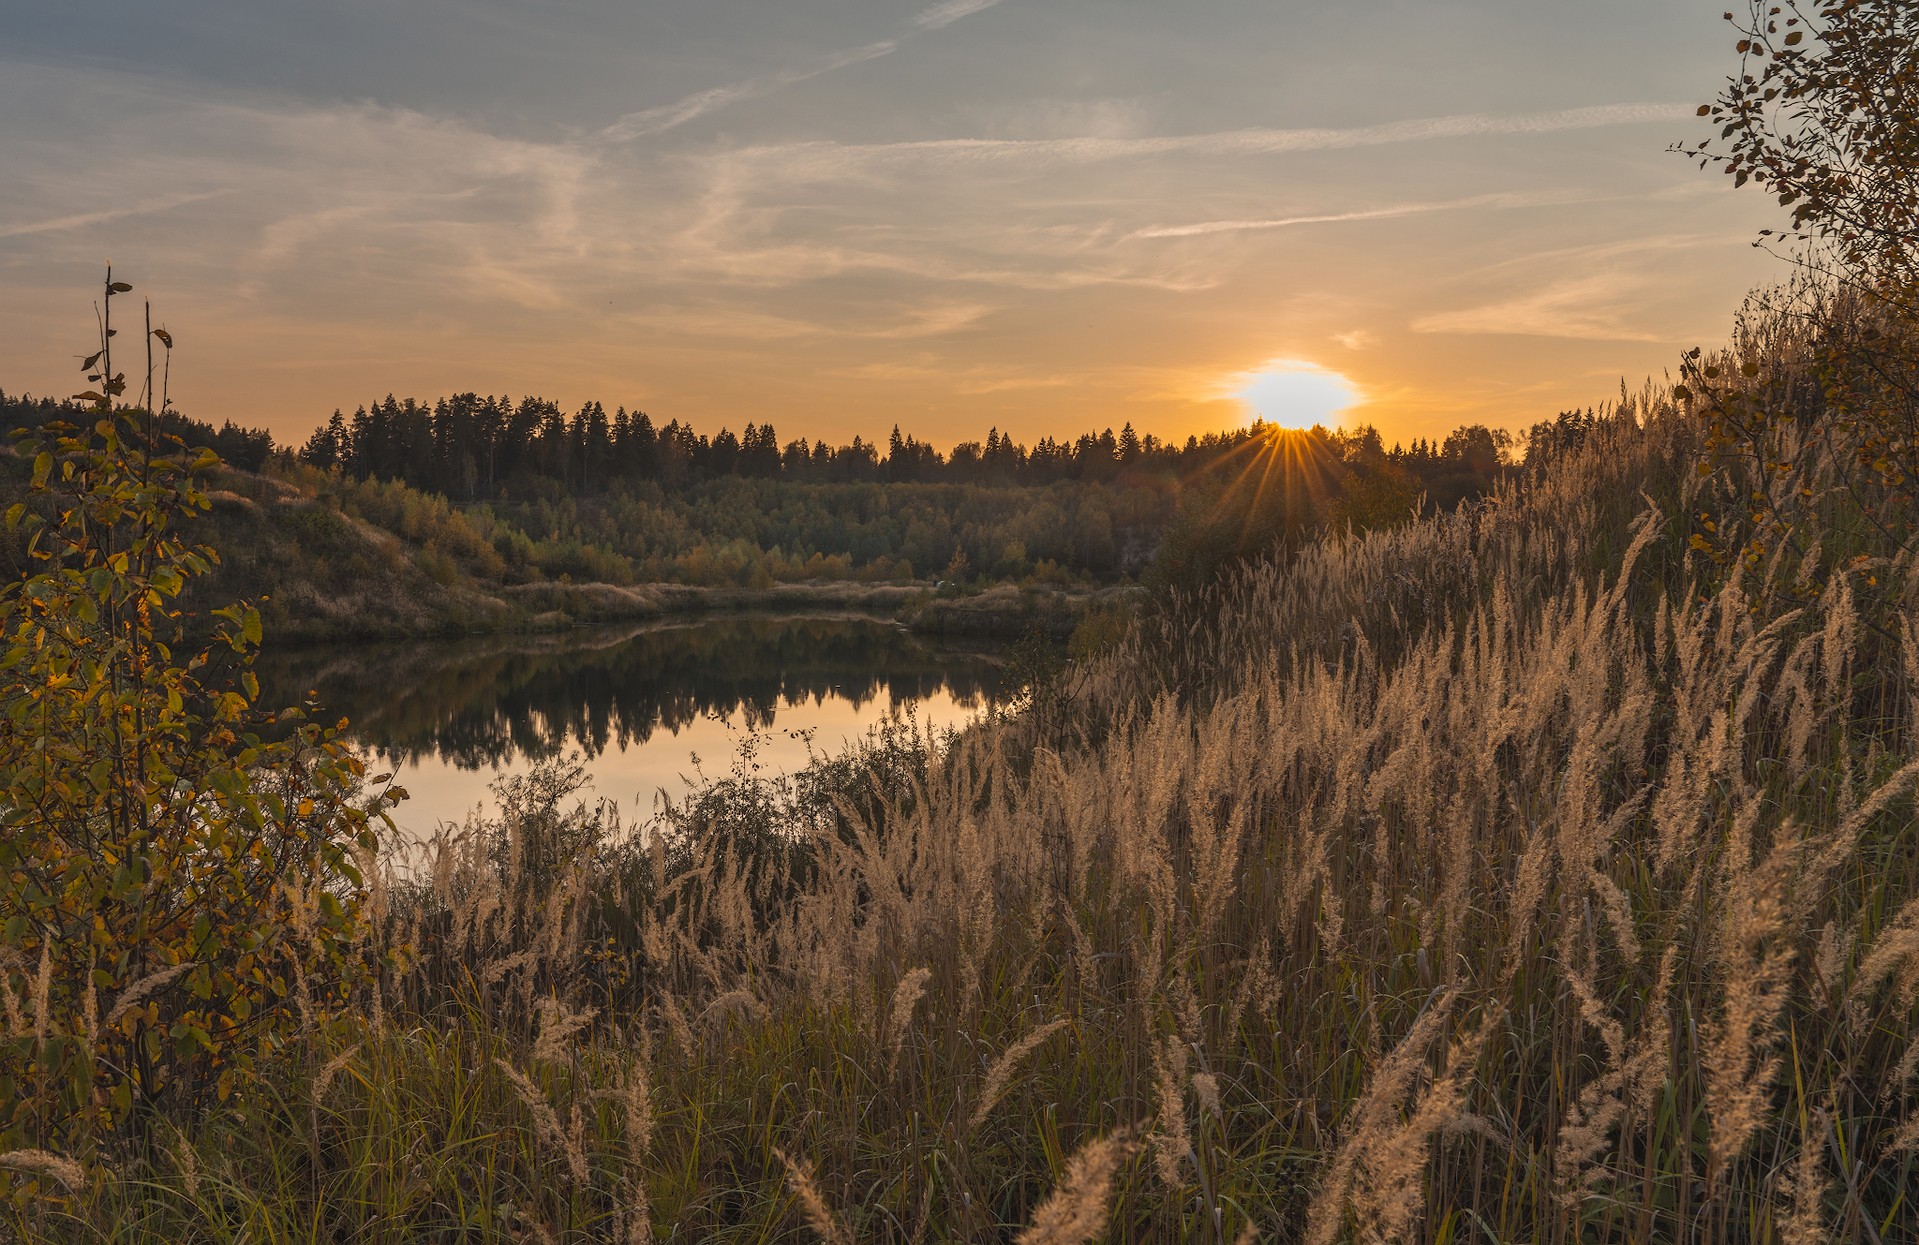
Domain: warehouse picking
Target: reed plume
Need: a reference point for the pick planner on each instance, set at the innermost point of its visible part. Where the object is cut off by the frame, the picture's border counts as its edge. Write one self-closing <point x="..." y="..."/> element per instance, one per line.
<point x="56" y="1167"/>
<point x="819" y="1216"/>
<point x="1077" y="1209"/>
<point x="1000" y="1075"/>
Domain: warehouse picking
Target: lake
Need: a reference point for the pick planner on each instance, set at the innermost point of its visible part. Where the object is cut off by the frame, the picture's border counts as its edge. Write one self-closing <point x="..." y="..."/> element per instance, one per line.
<point x="648" y="707"/>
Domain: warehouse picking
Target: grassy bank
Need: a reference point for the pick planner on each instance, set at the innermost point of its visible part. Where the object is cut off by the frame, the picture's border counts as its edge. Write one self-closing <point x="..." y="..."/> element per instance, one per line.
<point x="1002" y="610"/>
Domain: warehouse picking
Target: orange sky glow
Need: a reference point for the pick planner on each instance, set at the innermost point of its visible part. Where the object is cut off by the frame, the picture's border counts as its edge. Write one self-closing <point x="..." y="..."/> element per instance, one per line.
<point x="1045" y="216"/>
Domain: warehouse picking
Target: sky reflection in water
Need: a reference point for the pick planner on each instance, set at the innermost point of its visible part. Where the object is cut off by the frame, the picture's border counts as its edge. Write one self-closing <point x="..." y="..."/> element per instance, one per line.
<point x="637" y="702"/>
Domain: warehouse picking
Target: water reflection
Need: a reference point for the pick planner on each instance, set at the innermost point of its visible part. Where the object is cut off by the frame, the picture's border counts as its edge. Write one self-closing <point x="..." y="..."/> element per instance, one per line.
<point x="636" y="700"/>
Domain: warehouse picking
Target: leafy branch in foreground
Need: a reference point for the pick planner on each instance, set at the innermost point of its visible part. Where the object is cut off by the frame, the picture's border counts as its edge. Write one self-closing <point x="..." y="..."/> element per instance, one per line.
<point x="177" y="868"/>
<point x="1824" y="114"/>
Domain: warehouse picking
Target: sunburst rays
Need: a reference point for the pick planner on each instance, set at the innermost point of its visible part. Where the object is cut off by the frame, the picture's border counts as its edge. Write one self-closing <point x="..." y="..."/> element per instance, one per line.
<point x="1279" y="474"/>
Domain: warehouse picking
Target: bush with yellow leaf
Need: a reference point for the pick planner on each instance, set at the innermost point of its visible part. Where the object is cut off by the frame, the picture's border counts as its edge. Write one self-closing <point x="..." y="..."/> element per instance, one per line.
<point x="179" y="871"/>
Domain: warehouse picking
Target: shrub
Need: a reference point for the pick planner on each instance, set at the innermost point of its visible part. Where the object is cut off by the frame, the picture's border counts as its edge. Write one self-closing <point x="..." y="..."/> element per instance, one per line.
<point x="1822" y="115"/>
<point x="177" y="883"/>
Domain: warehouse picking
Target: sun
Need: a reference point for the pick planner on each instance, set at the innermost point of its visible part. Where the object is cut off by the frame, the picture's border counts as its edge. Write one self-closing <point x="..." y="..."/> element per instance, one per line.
<point x="1295" y="394"/>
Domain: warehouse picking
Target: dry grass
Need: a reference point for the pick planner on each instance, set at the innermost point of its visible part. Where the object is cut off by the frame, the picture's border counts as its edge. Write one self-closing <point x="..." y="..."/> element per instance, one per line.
<point x="57" y="1167"/>
<point x="819" y="1216"/>
<point x="1077" y="1210"/>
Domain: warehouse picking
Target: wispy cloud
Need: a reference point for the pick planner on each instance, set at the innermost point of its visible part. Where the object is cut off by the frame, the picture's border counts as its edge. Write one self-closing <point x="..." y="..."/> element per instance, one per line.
<point x="691" y="107"/>
<point x="824" y="158"/>
<point x="865" y="205"/>
<point x="941" y="16"/>
<point x="1594" y="308"/>
<point x="976" y="380"/>
<point x="934" y="321"/>
<point x="963" y="279"/>
<point x="666" y="117"/>
<point x="80" y="220"/>
<point x="1393" y="212"/>
<point x="1586" y="255"/>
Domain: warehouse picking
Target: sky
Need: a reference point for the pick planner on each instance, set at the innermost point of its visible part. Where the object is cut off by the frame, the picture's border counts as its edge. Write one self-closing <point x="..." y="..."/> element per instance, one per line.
<point x="1043" y="216"/>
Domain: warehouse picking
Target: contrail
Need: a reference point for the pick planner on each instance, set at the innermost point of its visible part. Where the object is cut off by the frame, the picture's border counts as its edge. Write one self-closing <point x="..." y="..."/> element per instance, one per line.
<point x="82" y="219"/>
<point x="1248" y="142"/>
<point x="670" y="116"/>
<point x="1384" y="213"/>
<point x="941" y="16"/>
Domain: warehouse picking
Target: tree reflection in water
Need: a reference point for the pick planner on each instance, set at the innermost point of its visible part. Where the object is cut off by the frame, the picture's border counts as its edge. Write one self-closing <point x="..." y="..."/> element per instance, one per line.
<point x="486" y="702"/>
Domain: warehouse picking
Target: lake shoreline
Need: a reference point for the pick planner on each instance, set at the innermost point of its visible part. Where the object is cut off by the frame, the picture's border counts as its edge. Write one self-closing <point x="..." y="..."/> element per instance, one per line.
<point x="635" y="703"/>
<point x="1002" y="611"/>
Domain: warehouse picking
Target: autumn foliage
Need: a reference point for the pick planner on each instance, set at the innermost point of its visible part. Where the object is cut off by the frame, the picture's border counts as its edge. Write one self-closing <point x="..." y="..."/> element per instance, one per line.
<point x="177" y="877"/>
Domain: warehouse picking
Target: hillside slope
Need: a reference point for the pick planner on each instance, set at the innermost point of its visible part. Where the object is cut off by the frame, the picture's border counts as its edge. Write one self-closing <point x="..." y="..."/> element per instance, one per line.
<point x="412" y="566"/>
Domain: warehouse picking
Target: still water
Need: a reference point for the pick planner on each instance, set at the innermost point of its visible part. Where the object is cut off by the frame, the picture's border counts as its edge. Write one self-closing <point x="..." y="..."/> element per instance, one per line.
<point x="647" y="707"/>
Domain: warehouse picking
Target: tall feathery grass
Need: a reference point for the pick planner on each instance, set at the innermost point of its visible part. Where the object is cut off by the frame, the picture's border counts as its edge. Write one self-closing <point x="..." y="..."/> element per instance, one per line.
<point x="1522" y="873"/>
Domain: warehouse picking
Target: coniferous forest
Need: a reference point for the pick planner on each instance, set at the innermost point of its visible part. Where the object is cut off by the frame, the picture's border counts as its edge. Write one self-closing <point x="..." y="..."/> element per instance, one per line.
<point x="484" y="493"/>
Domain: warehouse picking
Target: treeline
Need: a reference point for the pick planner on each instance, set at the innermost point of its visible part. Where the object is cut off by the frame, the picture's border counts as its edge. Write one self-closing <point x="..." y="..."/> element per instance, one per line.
<point x="472" y="448"/>
<point x="246" y="448"/>
<point x="498" y="491"/>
